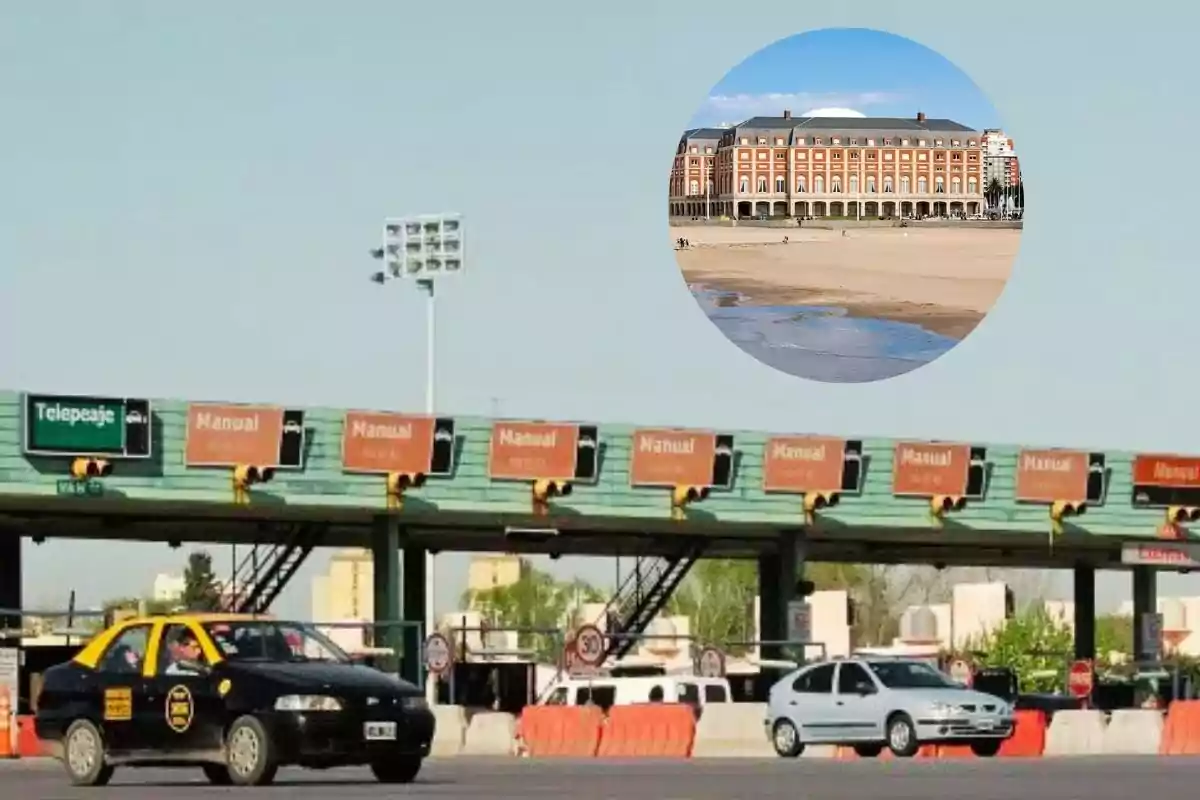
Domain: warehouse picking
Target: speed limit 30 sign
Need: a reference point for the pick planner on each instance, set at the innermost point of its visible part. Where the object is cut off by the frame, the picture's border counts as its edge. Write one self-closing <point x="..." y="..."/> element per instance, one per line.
<point x="589" y="645"/>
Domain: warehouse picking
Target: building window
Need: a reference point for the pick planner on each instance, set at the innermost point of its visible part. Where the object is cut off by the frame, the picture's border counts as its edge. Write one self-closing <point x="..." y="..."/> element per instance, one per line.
<point x="922" y="185"/>
<point x="695" y="162"/>
<point x="708" y="150"/>
<point x="801" y="155"/>
<point x="970" y="143"/>
<point x="837" y="140"/>
<point x="972" y="185"/>
<point x="870" y="184"/>
<point x="854" y="142"/>
<point x="762" y="185"/>
<point x="778" y="142"/>
<point x="800" y="184"/>
<point x="817" y="140"/>
<point x="920" y="142"/>
<point x="762" y="156"/>
<point x="781" y="155"/>
<point x="955" y="143"/>
<point x="854" y="155"/>
<point x="887" y="184"/>
<point x="937" y="142"/>
<point x="835" y="184"/>
<point x="744" y="156"/>
<point x="904" y="142"/>
<point x="887" y="142"/>
<point x="744" y="140"/>
<point x="905" y="156"/>
<point x="819" y="156"/>
<point x="780" y="185"/>
<point x="744" y="185"/>
<point x="956" y="185"/>
<point x="870" y="142"/>
<point x="762" y="140"/>
<point x="693" y="149"/>
<point x="939" y="185"/>
<point x="819" y="184"/>
<point x="853" y="184"/>
<point x="694" y="187"/>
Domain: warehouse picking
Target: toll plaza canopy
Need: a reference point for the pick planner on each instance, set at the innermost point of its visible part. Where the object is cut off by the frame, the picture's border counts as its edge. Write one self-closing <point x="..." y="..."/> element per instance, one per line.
<point x="134" y="468"/>
<point x="270" y="475"/>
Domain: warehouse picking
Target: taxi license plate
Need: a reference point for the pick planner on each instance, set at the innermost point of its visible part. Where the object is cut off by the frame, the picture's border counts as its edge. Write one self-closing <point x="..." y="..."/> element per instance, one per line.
<point x="379" y="731"/>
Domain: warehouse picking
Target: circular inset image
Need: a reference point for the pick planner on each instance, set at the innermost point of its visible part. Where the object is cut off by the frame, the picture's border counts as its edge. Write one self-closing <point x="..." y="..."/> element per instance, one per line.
<point x="845" y="206"/>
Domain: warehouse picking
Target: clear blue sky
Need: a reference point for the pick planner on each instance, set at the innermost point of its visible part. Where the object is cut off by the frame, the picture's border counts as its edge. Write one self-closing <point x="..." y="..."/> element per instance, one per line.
<point x="879" y="74"/>
<point x="190" y="192"/>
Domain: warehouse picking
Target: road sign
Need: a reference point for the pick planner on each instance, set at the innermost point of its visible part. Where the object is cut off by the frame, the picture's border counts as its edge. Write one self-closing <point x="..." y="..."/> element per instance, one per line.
<point x="799" y="628"/>
<point x="74" y="425"/>
<point x="1150" y="629"/>
<point x="1080" y="679"/>
<point x="550" y="450"/>
<point x="225" y="435"/>
<point x="711" y="663"/>
<point x="71" y="488"/>
<point x="378" y="441"/>
<point x="960" y="671"/>
<point x="438" y="653"/>
<point x="589" y="645"/>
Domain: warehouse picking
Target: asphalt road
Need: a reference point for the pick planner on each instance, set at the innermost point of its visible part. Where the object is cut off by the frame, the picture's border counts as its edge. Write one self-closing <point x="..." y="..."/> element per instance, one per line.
<point x="732" y="779"/>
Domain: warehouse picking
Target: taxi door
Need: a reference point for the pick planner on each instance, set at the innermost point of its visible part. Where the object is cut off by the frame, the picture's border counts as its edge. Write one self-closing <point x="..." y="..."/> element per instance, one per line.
<point x="120" y="684"/>
<point x="189" y="710"/>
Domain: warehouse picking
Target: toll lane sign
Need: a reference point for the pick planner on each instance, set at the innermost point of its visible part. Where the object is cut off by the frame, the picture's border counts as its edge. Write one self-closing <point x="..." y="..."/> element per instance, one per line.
<point x="75" y="425"/>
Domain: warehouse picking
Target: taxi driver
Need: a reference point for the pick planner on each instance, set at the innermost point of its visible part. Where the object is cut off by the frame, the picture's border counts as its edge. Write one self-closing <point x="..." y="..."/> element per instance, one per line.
<point x="183" y="649"/>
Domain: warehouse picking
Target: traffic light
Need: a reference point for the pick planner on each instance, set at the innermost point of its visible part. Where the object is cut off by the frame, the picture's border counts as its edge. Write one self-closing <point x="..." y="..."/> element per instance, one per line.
<point x="940" y="504"/>
<point x="245" y="476"/>
<point x="1180" y="514"/>
<point x="1060" y="509"/>
<point x="84" y="468"/>
<point x="681" y="496"/>
<point x="400" y="482"/>
<point x="815" y="501"/>
<point x="545" y="489"/>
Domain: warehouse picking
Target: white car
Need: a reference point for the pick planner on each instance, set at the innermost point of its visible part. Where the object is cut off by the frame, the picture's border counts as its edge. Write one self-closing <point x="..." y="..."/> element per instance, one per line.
<point x="872" y="703"/>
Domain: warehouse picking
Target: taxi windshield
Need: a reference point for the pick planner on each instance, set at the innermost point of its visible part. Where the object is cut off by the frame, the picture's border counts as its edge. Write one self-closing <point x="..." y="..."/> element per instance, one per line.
<point x="272" y="640"/>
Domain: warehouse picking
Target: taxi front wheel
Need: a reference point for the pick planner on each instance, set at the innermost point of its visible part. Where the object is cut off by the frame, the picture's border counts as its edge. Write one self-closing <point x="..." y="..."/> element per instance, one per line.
<point x="401" y="769"/>
<point x="250" y="753"/>
<point x="83" y="755"/>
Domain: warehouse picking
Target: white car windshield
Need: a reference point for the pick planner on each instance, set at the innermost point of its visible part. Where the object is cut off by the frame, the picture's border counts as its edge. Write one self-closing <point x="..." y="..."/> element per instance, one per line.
<point x="910" y="675"/>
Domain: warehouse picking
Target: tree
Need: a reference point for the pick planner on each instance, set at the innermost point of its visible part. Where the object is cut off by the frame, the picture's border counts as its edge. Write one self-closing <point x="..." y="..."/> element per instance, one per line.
<point x="534" y="605"/>
<point x="1034" y="644"/>
<point x="717" y="597"/>
<point x="200" y="589"/>
<point x="1114" y="635"/>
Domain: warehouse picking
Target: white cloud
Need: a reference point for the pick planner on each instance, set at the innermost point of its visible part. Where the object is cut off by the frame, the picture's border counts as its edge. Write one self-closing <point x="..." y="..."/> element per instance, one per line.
<point x="738" y="107"/>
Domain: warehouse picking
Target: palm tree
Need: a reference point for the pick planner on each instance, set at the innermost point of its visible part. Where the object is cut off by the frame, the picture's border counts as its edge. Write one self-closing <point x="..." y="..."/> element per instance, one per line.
<point x="993" y="192"/>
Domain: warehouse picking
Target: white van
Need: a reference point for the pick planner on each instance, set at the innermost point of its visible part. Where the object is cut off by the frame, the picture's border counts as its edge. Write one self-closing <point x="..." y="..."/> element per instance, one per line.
<point x="607" y="692"/>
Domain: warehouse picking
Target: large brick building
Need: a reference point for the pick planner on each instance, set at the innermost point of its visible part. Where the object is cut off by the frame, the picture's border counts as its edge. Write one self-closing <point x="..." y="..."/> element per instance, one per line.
<point x="856" y="167"/>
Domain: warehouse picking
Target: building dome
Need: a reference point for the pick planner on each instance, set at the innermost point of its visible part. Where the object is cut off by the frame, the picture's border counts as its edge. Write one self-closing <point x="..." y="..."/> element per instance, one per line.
<point x="835" y="112"/>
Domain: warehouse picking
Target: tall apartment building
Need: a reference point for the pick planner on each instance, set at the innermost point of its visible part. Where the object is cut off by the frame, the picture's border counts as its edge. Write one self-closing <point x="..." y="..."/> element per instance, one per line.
<point x="860" y="168"/>
<point x="1000" y="162"/>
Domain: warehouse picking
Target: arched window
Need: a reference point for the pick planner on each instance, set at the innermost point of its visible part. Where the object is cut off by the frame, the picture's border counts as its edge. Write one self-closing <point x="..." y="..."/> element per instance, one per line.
<point x="694" y="187"/>
<point x="922" y="186"/>
<point x="744" y="185"/>
<point x="853" y="184"/>
<point x="940" y="185"/>
<point x="972" y="186"/>
<point x="835" y="184"/>
<point x="762" y="185"/>
<point x="904" y="185"/>
<point x="780" y="184"/>
<point x="819" y="184"/>
<point x="800" y="184"/>
<point x="870" y="184"/>
<point x="956" y="185"/>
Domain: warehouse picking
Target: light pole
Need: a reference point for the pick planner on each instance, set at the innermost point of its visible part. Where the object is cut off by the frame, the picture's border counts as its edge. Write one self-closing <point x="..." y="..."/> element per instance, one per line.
<point x="423" y="249"/>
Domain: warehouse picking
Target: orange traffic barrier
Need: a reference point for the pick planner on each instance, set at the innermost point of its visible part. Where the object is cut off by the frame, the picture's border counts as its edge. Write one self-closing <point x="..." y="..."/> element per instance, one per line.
<point x="28" y="743"/>
<point x="954" y="751"/>
<point x="653" y="730"/>
<point x="6" y="726"/>
<point x="1181" y="730"/>
<point x="569" y="731"/>
<point x="1029" y="735"/>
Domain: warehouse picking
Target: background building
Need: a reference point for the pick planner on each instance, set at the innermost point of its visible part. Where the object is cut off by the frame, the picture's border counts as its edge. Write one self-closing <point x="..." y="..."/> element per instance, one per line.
<point x="852" y="167"/>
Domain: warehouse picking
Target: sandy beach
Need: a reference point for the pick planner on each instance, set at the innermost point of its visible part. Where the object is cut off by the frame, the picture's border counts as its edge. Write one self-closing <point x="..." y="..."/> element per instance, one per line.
<point x="942" y="279"/>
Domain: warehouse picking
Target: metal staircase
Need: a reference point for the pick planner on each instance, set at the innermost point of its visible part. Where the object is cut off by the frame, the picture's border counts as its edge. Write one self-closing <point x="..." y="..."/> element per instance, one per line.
<point x="643" y="594"/>
<point x="266" y="569"/>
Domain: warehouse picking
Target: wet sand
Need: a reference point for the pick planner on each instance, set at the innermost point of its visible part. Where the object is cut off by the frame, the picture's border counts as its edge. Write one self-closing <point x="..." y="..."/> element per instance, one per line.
<point x="942" y="279"/>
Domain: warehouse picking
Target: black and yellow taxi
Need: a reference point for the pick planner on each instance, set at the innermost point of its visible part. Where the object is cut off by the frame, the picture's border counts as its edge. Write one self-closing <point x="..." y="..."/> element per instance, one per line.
<point x="236" y="695"/>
